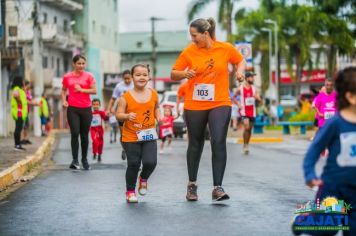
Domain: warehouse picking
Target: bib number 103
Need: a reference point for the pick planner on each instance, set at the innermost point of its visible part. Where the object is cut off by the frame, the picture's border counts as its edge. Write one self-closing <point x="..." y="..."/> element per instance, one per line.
<point x="202" y="92"/>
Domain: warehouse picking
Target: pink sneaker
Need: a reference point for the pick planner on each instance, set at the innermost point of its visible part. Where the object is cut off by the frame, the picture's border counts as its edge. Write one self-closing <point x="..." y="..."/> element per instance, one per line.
<point x="131" y="197"/>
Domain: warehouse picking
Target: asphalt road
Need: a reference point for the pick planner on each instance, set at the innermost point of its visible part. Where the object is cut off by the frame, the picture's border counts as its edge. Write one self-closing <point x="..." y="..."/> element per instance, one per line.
<point x="264" y="187"/>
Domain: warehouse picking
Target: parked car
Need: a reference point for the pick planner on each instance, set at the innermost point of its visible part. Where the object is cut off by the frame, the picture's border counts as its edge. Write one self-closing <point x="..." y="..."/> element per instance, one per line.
<point x="288" y="101"/>
<point x="170" y="98"/>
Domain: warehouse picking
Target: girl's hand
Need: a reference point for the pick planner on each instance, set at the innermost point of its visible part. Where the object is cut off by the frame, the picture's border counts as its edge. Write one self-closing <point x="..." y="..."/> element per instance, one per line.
<point x="131" y="116"/>
<point x="65" y="104"/>
<point x="77" y="88"/>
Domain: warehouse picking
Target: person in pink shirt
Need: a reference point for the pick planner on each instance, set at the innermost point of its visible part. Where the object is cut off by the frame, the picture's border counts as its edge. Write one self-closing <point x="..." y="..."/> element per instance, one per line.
<point x="79" y="84"/>
<point x="325" y="103"/>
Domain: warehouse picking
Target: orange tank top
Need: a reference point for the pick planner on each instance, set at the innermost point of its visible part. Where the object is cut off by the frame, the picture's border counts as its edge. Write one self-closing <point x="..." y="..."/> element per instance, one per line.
<point x="145" y="116"/>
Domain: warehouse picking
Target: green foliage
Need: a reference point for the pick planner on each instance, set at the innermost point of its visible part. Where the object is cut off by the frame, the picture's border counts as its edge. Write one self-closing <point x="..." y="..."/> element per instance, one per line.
<point x="303" y="117"/>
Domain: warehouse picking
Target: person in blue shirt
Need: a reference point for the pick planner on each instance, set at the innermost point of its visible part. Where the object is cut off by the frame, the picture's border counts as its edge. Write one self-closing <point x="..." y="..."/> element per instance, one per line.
<point x="338" y="135"/>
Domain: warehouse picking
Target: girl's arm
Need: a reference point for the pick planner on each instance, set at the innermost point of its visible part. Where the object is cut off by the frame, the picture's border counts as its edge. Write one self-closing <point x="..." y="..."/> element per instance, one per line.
<point x="157" y="112"/>
<point x="121" y="114"/>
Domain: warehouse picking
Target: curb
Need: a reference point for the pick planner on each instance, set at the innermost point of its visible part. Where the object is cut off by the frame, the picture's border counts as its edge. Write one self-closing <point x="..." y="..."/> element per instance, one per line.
<point x="262" y="140"/>
<point x="12" y="174"/>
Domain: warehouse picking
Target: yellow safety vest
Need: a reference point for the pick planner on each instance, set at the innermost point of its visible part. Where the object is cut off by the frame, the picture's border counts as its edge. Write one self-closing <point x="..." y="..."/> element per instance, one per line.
<point x="43" y="111"/>
<point x="15" y="105"/>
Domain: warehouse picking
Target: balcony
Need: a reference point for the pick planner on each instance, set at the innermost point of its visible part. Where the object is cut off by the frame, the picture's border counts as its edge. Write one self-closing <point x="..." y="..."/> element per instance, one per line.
<point x="52" y="35"/>
<point x="68" y="5"/>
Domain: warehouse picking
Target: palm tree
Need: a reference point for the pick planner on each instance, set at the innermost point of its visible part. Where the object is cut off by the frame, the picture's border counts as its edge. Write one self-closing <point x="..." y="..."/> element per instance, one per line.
<point x="225" y="13"/>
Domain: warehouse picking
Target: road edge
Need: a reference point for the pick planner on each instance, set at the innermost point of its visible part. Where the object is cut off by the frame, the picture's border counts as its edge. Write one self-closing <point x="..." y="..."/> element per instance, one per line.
<point x="12" y="174"/>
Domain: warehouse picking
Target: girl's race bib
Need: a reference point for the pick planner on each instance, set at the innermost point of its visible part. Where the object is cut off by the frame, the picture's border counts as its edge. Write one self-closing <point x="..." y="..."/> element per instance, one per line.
<point x="147" y="134"/>
<point x="167" y="131"/>
<point x="347" y="156"/>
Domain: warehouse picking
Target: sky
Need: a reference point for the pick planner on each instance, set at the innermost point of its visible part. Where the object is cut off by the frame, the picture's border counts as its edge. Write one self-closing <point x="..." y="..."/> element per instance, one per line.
<point x="134" y="14"/>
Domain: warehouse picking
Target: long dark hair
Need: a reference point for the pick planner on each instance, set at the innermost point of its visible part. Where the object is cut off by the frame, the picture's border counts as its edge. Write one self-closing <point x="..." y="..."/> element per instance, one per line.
<point x="345" y="82"/>
<point x="17" y="81"/>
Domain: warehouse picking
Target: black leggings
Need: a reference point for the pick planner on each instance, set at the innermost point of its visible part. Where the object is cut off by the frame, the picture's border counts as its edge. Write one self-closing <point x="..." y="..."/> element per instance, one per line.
<point x="218" y="120"/>
<point x="145" y="152"/>
<point x="18" y="129"/>
<point x="79" y="120"/>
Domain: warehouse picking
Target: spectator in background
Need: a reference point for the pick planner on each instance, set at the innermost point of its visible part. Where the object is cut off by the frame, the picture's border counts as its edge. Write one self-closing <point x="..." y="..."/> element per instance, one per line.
<point x="273" y="112"/>
<point x="234" y="110"/>
<point x="305" y="106"/>
<point x="27" y="88"/>
<point x="262" y="112"/>
<point x="43" y="112"/>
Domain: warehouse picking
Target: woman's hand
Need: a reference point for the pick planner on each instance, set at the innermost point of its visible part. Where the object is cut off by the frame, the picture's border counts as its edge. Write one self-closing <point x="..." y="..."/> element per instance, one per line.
<point x="240" y="76"/>
<point x="77" y="88"/>
<point x="190" y="74"/>
<point x="315" y="183"/>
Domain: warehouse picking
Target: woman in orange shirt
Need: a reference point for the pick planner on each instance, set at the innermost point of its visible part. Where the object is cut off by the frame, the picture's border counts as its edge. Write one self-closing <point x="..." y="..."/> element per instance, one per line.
<point x="205" y="64"/>
<point x="139" y="109"/>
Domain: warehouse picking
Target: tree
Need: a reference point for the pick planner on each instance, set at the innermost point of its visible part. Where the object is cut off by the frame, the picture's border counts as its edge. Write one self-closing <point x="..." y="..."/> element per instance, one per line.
<point x="225" y="13"/>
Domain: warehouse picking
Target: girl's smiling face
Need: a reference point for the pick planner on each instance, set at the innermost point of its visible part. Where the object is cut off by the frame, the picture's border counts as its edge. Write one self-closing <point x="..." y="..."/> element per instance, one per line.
<point x="140" y="76"/>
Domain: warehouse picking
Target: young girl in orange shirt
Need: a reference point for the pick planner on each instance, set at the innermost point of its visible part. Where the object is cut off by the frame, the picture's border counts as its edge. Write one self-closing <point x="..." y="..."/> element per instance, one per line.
<point x="139" y="110"/>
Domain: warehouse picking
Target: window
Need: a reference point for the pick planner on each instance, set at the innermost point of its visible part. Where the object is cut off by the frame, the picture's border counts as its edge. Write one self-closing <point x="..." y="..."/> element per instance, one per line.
<point x="45" y="62"/>
<point x="58" y="73"/>
<point x="115" y="5"/>
<point x="139" y="44"/>
<point x="44" y="18"/>
<point x="52" y="62"/>
<point x="116" y="37"/>
<point x="65" y="25"/>
<point x="55" y="20"/>
<point x="66" y="65"/>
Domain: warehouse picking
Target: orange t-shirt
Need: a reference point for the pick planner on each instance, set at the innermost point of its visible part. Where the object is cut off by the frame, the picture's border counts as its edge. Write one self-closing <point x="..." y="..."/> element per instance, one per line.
<point x="211" y="66"/>
<point x="181" y="89"/>
<point x="145" y="118"/>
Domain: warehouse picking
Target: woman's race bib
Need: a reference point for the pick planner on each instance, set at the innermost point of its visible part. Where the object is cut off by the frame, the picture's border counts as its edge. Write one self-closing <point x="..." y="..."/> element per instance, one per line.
<point x="250" y="101"/>
<point x="147" y="134"/>
<point x="204" y="92"/>
<point x="328" y="114"/>
<point x="96" y="121"/>
<point x="347" y="156"/>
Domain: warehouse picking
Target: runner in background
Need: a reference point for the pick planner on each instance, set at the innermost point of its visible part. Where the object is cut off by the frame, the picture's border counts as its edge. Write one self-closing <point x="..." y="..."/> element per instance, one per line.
<point x="97" y="129"/>
<point x="139" y="110"/>
<point x="166" y="127"/>
<point x="247" y="105"/>
<point x="119" y="90"/>
<point x="338" y="135"/>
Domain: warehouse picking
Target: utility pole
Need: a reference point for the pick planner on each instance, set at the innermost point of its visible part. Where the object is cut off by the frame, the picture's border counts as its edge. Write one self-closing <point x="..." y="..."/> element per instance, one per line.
<point x="37" y="61"/>
<point x="154" y="46"/>
<point x="2" y="89"/>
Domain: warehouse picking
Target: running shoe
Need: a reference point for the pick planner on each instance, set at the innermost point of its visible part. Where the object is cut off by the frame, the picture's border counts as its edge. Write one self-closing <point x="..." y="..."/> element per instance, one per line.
<point x="85" y="164"/>
<point x="99" y="158"/>
<point x="192" y="192"/>
<point x="245" y="151"/>
<point x="131" y="197"/>
<point x="74" y="165"/>
<point x="219" y="194"/>
<point x="142" y="186"/>
<point x="94" y="156"/>
<point x="123" y="155"/>
<point x="19" y="148"/>
<point x="161" y="151"/>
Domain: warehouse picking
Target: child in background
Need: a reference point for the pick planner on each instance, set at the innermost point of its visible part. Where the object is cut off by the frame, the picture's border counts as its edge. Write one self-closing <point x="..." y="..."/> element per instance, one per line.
<point x="166" y="127"/>
<point x="338" y="135"/>
<point x="97" y="130"/>
<point x="113" y="131"/>
<point x="139" y="109"/>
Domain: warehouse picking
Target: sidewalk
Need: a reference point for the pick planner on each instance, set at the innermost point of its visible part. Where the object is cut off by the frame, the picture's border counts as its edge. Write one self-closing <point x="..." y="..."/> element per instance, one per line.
<point x="15" y="164"/>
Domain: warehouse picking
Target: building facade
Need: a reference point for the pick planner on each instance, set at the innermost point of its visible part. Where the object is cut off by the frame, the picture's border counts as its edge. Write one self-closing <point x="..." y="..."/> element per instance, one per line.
<point x="99" y="24"/>
<point x="136" y="48"/>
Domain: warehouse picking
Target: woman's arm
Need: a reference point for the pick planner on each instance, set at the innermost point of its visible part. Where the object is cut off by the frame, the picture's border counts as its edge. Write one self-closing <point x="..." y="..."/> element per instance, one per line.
<point x="179" y="75"/>
<point x="91" y="90"/>
<point x="64" y="97"/>
<point x="240" y="70"/>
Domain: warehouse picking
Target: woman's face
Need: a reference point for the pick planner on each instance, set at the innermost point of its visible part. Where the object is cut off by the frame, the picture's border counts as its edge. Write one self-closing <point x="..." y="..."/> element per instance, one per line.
<point x="200" y="39"/>
<point x="140" y="77"/>
<point x="79" y="65"/>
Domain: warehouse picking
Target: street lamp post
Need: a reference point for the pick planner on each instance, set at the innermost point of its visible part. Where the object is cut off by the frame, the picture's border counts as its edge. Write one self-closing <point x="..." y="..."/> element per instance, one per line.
<point x="154" y="46"/>
<point x="269" y="21"/>
<point x="269" y="58"/>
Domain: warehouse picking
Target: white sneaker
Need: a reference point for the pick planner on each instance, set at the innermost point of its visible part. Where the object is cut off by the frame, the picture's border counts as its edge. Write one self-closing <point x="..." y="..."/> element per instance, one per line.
<point x="245" y="151"/>
<point x="131" y="197"/>
<point x="142" y="187"/>
<point x="161" y="151"/>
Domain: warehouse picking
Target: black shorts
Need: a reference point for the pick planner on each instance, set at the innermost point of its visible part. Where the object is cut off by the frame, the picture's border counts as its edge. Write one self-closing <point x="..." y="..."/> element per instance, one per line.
<point x="165" y="137"/>
<point x="251" y="119"/>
